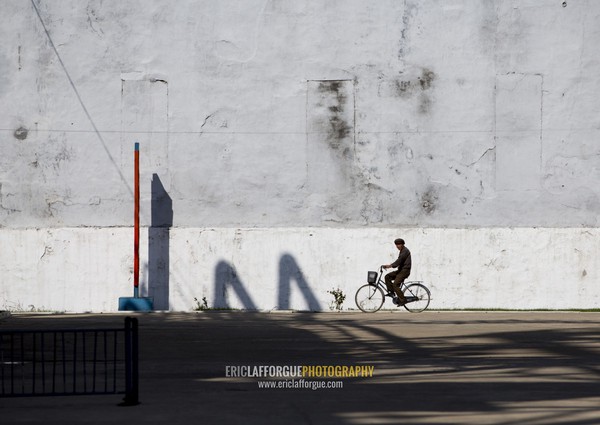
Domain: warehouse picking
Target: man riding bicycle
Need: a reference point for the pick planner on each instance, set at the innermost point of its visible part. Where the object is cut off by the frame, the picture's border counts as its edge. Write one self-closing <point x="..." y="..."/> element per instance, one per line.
<point x="394" y="280"/>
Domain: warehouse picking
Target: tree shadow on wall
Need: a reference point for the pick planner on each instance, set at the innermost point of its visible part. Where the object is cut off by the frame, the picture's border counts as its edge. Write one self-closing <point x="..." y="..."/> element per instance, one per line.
<point x="226" y="278"/>
<point x="158" y="244"/>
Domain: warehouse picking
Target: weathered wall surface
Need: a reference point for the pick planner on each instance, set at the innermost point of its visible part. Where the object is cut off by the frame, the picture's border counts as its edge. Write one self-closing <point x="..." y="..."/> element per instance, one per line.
<point x="463" y="118"/>
<point x="274" y="269"/>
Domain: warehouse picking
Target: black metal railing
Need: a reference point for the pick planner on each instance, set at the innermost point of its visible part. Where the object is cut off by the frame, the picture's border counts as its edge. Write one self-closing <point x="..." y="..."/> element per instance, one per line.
<point x="70" y="362"/>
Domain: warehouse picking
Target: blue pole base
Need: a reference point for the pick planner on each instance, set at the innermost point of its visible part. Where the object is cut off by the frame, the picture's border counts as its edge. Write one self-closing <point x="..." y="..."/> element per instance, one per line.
<point x="136" y="304"/>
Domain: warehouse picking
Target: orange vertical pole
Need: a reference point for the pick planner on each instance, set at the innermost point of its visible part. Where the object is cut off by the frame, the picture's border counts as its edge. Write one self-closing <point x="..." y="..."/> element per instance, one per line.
<point x="136" y="222"/>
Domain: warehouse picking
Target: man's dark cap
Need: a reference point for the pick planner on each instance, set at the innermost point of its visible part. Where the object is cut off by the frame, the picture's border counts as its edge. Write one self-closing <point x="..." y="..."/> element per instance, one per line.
<point x="399" y="241"/>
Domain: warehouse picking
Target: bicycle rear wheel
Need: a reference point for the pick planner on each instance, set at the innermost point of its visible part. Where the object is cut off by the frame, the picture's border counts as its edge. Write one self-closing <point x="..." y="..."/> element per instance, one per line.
<point x="369" y="298"/>
<point x="417" y="296"/>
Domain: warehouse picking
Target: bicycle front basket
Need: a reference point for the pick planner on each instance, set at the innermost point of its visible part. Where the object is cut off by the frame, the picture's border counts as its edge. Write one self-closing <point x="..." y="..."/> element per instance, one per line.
<point x="372" y="277"/>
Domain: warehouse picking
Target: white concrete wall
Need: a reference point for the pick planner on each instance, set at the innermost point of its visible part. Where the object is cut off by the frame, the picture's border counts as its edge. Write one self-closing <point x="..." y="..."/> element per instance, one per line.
<point x="262" y="121"/>
<point x="293" y="268"/>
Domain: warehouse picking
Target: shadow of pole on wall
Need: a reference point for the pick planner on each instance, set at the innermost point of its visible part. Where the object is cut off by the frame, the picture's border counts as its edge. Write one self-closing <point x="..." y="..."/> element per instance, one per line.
<point x="158" y="244"/>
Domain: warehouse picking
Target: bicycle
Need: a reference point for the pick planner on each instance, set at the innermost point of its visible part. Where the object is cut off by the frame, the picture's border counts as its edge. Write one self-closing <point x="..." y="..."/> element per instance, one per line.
<point x="370" y="297"/>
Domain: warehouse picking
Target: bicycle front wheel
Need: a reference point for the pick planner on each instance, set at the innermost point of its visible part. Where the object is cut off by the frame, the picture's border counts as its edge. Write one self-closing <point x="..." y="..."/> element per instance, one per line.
<point x="417" y="296"/>
<point x="369" y="298"/>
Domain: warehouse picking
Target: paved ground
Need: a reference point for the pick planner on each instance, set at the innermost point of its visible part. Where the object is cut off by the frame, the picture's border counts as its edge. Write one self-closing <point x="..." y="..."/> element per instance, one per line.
<point x="429" y="368"/>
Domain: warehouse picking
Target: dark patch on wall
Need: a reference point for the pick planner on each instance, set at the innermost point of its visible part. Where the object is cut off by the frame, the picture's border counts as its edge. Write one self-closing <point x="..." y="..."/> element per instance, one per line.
<point x="332" y="86"/>
<point x="339" y="128"/>
<point x="403" y="88"/>
<point x="21" y="133"/>
<point x="426" y="82"/>
<point x="407" y="16"/>
<point x="426" y="79"/>
<point x="331" y="168"/>
<point x="429" y="201"/>
<point x="418" y="87"/>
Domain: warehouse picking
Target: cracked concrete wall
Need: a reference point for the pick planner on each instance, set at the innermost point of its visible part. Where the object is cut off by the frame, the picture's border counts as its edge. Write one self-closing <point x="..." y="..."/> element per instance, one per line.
<point x="443" y="108"/>
<point x="455" y="114"/>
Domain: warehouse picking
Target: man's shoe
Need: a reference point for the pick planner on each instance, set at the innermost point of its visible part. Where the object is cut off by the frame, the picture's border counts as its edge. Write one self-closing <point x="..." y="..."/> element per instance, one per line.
<point x="390" y="294"/>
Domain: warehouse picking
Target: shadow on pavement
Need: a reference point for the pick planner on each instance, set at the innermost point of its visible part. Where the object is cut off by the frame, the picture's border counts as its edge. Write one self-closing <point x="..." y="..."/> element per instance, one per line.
<point x="428" y="368"/>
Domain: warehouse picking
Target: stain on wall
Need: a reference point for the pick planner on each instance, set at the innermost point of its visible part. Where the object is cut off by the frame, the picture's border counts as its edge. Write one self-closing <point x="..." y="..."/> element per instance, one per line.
<point x="429" y="201"/>
<point x="263" y="114"/>
<point x="414" y="85"/>
<point x="21" y="133"/>
<point x="331" y="172"/>
<point x="409" y="11"/>
<point x="332" y="114"/>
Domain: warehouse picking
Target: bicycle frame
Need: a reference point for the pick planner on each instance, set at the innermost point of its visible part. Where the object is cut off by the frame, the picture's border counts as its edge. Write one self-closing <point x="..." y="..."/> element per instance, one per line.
<point x="403" y="287"/>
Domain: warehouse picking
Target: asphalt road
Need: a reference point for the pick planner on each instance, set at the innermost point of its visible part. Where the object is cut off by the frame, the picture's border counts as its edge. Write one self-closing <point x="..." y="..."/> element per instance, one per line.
<point x="427" y="368"/>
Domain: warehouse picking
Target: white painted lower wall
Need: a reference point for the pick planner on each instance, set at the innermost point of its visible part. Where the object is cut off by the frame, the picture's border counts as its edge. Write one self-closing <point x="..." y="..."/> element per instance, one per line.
<point x="88" y="269"/>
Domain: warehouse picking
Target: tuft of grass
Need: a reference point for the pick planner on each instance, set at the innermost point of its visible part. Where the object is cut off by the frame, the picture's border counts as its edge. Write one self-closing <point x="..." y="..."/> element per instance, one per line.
<point x="201" y="306"/>
<point x="338" y="299"/>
